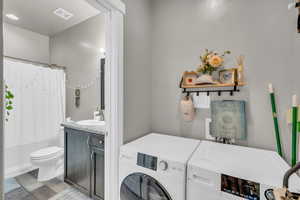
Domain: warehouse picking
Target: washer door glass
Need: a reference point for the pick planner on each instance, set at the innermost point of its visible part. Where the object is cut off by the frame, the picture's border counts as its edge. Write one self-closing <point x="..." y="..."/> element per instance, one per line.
<point x="140" y="186"/>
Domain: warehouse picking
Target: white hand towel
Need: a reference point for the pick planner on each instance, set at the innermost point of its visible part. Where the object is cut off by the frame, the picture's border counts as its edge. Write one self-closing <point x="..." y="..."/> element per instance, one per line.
<point x="187" y="109"/>
<point x="201" y="101"/>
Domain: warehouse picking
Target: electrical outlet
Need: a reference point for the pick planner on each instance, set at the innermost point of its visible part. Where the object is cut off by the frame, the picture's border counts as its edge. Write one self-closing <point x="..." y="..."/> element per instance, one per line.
<point x="207" y="129"/>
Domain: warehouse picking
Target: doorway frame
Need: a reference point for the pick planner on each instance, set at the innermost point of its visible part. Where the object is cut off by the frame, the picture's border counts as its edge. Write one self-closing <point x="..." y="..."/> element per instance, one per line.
<point x="114" y="11"/>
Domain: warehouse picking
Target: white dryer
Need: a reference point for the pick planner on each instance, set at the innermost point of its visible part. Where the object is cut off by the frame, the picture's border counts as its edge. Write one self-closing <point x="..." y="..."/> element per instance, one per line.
<point x="154" y="167"/>
<point x="228" y="172"/>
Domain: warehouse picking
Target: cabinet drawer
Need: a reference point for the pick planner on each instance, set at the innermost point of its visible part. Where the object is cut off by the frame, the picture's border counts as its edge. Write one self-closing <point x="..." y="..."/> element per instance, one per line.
<point x="97" y="141"/>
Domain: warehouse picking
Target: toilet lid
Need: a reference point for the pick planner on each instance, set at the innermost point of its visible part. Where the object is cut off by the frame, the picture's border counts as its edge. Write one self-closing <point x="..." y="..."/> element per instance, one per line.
<point x="47" y="153"/>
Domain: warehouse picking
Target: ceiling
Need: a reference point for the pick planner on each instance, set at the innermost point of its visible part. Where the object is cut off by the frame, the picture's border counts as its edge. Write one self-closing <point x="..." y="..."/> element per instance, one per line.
<point x="37" y="15"/>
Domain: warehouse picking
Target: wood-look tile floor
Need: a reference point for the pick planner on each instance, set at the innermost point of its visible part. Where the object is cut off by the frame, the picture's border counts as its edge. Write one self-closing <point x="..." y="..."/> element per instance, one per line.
<point x="26" y="187"/>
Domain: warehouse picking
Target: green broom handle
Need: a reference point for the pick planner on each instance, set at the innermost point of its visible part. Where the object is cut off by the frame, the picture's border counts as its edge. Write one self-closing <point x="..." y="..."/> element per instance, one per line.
<point x="275" y="119"/>
<point x="294" y="130"/>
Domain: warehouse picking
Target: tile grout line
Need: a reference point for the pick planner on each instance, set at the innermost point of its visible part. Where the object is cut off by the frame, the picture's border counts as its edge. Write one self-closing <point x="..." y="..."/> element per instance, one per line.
<point x="23" y="187"/>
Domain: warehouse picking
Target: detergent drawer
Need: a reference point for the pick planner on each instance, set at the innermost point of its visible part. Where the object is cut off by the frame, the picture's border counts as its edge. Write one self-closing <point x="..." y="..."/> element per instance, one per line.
<point x="203" y="184"/>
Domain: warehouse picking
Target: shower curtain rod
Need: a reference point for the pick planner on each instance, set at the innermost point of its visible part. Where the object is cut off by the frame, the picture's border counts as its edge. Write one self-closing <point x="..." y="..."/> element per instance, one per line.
<point x="52" y="66"/>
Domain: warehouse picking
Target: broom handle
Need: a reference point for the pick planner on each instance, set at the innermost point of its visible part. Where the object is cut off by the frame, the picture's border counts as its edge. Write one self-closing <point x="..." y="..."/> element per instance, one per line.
<point x="294" y="130"/>
<point x="275" y="119"/>
<point x="298" y="5"/>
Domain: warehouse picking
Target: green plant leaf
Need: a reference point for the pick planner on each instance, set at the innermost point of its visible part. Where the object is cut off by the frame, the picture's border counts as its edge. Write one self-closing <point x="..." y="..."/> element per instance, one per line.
<point x="8" y="101"/>
<point x="10" y="94"/>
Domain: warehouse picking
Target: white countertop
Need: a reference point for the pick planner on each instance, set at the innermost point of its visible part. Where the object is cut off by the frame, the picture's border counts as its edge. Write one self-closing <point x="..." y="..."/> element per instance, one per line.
<point x="90" y="129"/>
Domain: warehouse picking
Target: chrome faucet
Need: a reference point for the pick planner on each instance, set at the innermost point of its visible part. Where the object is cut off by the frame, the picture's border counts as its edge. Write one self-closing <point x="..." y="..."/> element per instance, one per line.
<point x="99" y="114"/>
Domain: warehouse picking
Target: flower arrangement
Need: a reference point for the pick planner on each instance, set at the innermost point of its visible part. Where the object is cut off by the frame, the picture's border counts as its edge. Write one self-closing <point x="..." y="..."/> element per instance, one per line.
<point x="211" y="61"/>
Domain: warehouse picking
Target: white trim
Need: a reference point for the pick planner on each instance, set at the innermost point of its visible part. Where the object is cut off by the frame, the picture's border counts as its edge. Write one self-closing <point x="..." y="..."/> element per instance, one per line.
<point x="111" y="5"/>
<point x="115" y="101"/>
<point x="114" y="20"/>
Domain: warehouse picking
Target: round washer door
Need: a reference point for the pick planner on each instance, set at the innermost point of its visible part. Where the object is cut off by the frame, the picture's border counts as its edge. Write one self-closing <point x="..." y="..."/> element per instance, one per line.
<point x="140" y="186"/>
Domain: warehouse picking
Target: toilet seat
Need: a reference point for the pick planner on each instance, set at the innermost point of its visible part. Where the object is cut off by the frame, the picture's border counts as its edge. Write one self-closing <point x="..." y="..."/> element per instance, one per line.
<point x="46" y="153"/>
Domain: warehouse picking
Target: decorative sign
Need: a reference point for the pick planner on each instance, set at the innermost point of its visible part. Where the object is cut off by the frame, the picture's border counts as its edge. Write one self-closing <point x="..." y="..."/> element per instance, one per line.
<point x="228" y="119"/>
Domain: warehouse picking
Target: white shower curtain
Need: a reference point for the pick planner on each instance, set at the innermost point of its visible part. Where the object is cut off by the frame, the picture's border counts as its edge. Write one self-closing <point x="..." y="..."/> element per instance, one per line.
<point x="39" y="103"/>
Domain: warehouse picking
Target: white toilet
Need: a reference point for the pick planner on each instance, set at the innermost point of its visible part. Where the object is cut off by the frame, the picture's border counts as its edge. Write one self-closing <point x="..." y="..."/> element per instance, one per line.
<point x="50" y="161"/>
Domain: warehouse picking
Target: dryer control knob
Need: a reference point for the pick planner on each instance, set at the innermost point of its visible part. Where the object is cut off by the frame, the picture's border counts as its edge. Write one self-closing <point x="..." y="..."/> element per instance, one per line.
<point x="163" y="165"/>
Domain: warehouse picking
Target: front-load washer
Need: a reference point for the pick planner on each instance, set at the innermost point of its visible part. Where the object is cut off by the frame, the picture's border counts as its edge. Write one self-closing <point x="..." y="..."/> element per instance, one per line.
<point x="154" y="167"/>
<point x="228" y="172"/>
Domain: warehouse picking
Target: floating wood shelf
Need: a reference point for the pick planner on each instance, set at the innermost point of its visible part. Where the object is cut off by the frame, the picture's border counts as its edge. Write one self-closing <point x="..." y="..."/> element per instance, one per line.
<point x="211" y="85"/>
<point x="211" y="88"/>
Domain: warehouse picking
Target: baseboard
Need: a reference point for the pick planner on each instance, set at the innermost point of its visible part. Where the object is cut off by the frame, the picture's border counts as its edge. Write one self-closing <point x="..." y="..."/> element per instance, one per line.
<point x="16" y="171"/>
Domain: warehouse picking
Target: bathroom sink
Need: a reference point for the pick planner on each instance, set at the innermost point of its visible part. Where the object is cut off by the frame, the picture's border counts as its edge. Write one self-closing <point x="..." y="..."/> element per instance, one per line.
<point x="91" y="123"/>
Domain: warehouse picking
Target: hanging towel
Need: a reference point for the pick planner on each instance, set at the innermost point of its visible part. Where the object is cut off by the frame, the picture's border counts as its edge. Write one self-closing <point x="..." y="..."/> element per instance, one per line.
<point x="187" y="109"/>
<point x="201" y="101"/>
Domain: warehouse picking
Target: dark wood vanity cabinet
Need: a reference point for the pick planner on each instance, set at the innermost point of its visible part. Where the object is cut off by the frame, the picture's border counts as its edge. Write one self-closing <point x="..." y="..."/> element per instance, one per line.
<point x="97" y="174"/>
<point x="77" y="160"/>
<point x="84" y="162"/>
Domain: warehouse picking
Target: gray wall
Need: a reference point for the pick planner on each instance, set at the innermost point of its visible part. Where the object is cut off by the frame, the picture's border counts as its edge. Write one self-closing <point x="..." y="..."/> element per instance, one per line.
<point x="137" y="90"/>
<point x="78" y="48"/>
<point x="22" y="43"/>
<point x="1" y="110"/>
<point x="262" y="30"/>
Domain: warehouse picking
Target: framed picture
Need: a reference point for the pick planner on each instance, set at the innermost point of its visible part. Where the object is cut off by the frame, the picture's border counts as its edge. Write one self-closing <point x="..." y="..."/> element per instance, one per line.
<point x="189" y="78"/>
<point x="228" y="76"/>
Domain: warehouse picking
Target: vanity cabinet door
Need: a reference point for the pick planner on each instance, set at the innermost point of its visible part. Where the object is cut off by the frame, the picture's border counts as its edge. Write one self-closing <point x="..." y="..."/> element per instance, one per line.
<point x="98" y="175"/>
<point x="77" y="160"/>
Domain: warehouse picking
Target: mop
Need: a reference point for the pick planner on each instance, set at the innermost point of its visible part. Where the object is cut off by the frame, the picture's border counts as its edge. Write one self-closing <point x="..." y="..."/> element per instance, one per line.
<point x="275" y="119"/>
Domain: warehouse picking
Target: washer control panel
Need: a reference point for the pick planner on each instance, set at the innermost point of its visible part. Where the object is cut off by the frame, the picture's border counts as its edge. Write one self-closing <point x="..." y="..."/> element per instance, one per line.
<point x="147" y="161"/>
<point x="158" y="164"/>
<point x="163" y="165"/>
<point x="240" y="187"/>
